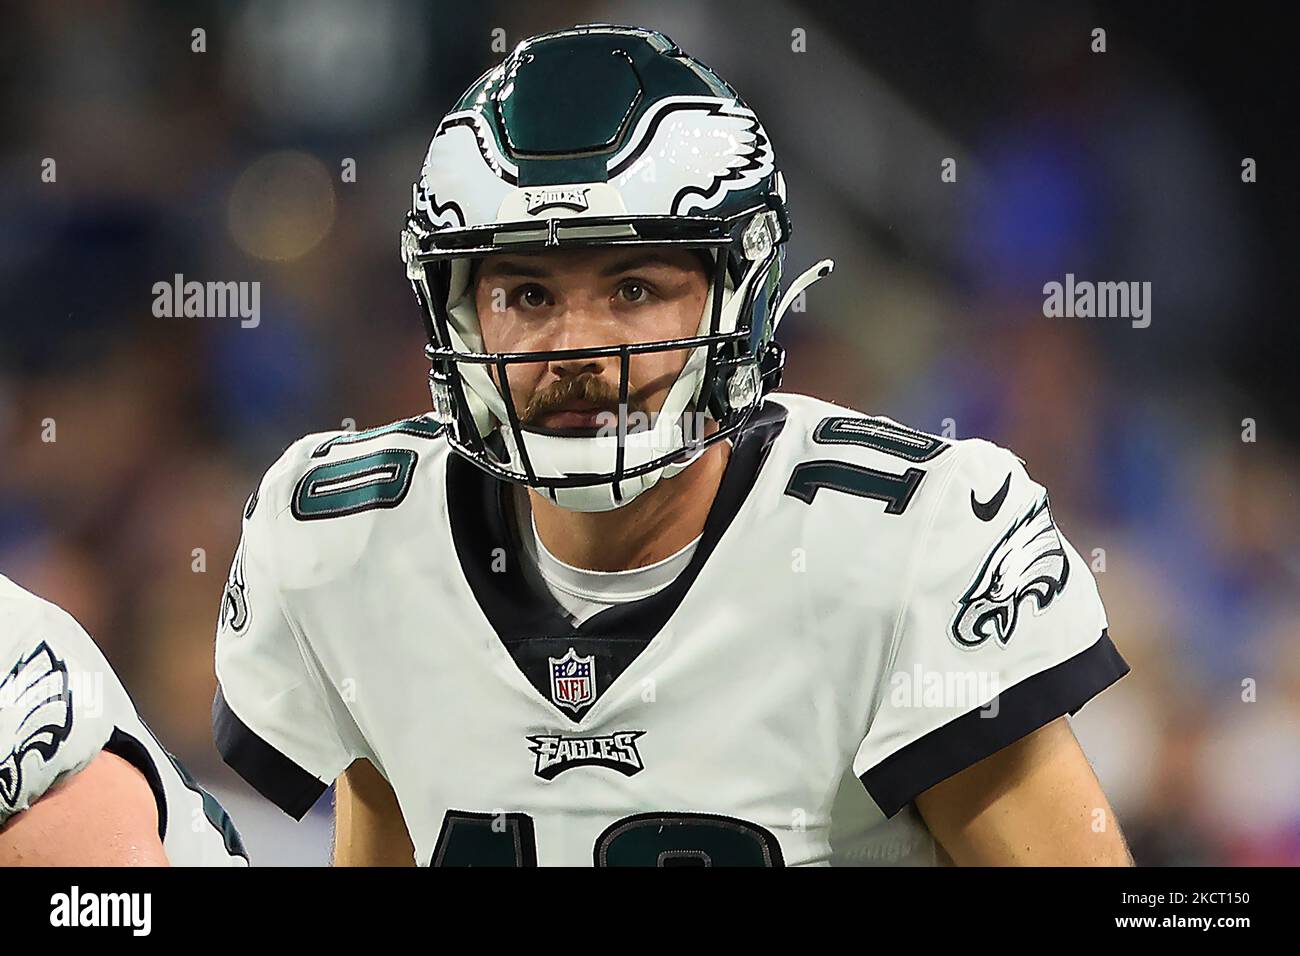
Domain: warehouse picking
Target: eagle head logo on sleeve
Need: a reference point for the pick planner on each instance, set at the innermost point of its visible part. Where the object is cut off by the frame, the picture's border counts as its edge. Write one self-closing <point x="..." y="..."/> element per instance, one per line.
<point x="35" y="716"/>
<point x="1029" y="563"/>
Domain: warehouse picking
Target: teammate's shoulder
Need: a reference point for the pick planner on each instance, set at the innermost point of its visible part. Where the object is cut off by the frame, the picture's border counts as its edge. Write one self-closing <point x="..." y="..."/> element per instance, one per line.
<point x="53" y="685"/>
<point x="329" y="473"/>
<point x="31" y="625"/>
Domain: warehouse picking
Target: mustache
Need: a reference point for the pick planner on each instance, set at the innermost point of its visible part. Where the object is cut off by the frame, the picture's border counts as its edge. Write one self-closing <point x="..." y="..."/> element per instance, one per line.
<point x="588" y="389"/>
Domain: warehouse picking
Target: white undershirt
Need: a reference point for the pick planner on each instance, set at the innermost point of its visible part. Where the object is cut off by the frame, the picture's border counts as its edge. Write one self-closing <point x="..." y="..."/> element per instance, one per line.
<point x="583" y="593"/>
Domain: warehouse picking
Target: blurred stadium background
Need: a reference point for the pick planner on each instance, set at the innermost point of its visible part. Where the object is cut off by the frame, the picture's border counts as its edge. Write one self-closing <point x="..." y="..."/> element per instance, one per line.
<point x="225" y="165"/>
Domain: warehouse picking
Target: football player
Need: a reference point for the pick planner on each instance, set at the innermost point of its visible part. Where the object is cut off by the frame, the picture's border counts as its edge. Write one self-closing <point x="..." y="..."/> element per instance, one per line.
<point x="618" y="601"/>
<point x="83" y="782"/>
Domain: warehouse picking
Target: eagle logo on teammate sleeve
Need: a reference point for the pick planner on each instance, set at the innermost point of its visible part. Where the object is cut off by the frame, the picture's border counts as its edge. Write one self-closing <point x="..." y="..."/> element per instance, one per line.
<point x="35" y="716"/>
<point x="1028" y="563"/>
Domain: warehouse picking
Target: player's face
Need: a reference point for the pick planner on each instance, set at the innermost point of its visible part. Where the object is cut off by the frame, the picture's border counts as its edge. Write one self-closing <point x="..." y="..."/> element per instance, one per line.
<point x="584" y="298"/>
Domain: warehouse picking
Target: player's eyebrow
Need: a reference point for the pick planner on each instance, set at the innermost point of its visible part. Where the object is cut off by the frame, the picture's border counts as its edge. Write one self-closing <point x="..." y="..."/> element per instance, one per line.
<point x="530" y="270"/>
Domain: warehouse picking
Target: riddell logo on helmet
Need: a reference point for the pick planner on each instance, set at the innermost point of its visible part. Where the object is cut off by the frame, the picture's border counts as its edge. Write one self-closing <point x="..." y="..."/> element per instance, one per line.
<point x="538" y="200"/>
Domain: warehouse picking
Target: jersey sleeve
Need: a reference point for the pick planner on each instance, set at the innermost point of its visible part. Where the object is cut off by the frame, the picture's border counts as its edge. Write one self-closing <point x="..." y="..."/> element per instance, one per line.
<point x="1002" y="631"/>
<point x="53" y="718"/>
<point x="275" y="719"/>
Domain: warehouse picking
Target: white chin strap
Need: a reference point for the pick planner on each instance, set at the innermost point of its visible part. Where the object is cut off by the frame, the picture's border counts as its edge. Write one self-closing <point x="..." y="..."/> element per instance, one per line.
<point x="553" y="456"/>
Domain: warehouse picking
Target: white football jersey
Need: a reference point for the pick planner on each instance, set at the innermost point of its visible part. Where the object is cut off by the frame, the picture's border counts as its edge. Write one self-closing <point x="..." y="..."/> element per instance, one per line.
<point x="61" y="704"/>
<point x="869" y="610"/>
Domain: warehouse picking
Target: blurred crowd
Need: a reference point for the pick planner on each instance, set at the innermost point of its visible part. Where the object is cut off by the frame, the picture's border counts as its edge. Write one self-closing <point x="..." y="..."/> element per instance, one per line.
<point x="131" y="441"/>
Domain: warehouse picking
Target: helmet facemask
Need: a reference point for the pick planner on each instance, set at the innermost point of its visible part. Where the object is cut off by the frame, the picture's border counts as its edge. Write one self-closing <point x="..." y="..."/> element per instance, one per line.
<point x="601" y="136"/>
<point x="718" y="387"/>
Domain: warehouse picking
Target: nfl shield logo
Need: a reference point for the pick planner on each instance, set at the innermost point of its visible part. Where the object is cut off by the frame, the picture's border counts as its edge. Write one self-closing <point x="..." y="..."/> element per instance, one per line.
<point x="573" y="680"/>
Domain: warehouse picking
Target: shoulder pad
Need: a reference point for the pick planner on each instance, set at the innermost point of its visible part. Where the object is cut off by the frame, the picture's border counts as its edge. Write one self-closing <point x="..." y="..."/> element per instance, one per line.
<point x="356" y="478"/>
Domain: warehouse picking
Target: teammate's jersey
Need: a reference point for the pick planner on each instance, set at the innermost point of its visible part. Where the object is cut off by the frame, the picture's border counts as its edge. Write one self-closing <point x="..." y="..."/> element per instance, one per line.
<point x="860" y="593"/>
<point x="61" y="704"/>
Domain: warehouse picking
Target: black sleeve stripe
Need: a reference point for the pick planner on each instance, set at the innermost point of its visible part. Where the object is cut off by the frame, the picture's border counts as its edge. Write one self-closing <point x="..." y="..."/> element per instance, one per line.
<point x="270" y="772"/>
<point x="1033" y="703"/>
<point x="133" y="752"/>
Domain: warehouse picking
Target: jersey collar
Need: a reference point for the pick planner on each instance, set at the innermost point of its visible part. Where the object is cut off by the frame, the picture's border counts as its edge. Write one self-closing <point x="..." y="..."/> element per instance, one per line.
<point x="525" y="616"/>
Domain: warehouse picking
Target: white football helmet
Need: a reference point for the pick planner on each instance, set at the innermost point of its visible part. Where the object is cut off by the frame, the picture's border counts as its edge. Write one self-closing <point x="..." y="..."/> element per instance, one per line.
<point x="601" y="135"/>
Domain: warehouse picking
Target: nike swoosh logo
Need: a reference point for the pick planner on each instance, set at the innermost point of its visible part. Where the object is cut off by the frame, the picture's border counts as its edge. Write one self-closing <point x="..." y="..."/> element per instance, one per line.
<point x="988" y="510"/>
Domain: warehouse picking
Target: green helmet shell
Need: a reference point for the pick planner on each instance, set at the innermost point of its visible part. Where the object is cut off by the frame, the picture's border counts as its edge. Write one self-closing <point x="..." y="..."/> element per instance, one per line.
<point x="572" y="107"/>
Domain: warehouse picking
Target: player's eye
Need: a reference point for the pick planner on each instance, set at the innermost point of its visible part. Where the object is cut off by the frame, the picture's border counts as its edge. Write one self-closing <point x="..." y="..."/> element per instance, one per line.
<point x="530" y="296"/>
<point x="634" y="292"/>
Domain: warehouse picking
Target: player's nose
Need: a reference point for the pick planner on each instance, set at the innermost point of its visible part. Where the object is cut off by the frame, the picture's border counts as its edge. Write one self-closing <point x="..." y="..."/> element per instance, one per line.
<point x="581" y="326"/>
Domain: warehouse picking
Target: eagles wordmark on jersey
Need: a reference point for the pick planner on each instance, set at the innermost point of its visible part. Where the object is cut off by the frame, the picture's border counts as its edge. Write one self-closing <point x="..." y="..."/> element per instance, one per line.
<point x="61" y="704"/>
<point x="870" y="610"/>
